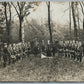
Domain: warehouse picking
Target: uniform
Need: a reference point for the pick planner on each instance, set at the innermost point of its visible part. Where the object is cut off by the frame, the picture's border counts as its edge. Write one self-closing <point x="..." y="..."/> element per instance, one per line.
<point x="6" y="55"/>
<point x="75" y="56"/>
<point x="69" y="50"/>
<point x="56" y="46"/>
<point x="75" y="50"/>
<point x="79" y="56"/>
<point x="72" y="51"/>
<point x="53" y="50"/>
<point x="29" y="51"/>
<point x="65" y="49"/>
<point x="83" y="47"/>
<point x="13" y="56"/>
<point x="43" y="48"/>
<point x="48" y="50"/>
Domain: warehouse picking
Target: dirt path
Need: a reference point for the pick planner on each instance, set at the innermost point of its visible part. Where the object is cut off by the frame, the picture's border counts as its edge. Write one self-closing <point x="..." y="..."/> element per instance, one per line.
<point x="37" y="69"/>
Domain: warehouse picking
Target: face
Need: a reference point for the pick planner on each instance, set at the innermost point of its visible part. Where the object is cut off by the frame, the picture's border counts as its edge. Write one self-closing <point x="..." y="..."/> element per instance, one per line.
<point x="13" y="44"/>
<point x="73" y="41"/>
<point x="5" y="45"/>
<point x="70" y="41"/>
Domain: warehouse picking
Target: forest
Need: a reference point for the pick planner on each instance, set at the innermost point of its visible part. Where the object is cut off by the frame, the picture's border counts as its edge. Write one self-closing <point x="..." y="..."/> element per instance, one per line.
<point x="42" y="41"/>
<point x="48" y="30"/>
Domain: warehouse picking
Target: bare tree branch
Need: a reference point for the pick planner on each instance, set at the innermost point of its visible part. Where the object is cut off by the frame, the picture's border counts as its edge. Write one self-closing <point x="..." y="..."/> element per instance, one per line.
<point x="19" y="6"/>
<point x="15" y="8"/>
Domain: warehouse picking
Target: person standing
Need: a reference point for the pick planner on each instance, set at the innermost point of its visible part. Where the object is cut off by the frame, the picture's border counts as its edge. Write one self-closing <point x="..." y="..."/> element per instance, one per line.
<point x="6" y="55"/>
<point x="48" y="50"/>
<point x="53" y="49"/>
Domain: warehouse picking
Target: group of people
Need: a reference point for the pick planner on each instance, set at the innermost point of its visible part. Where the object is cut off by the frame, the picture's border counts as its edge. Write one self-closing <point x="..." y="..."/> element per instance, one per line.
<point x="49" y="49"/>
<point x="72" y="49"/>
<point x="13" y="52"/>
<point x="18" y="51"/>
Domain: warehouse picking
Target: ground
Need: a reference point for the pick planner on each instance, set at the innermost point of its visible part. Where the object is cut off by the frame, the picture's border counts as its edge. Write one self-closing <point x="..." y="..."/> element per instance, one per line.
<point x="36" y="69"/>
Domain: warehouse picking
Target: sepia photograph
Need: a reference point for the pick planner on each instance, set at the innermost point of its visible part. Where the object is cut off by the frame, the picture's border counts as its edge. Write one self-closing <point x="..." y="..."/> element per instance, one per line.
<point x="42" y="41"/>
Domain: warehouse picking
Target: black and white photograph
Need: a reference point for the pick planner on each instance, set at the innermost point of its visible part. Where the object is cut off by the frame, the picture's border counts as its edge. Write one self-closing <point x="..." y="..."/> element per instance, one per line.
<point x="41" y="41"/>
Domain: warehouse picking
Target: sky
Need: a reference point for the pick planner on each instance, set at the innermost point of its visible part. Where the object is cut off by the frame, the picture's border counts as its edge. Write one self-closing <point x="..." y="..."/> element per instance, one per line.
<point x="57" y="13"/>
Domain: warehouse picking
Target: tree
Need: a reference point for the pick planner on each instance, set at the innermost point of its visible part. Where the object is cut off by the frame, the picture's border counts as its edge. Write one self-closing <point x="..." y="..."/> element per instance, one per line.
<point x="22" y="9"/>
<point x="49" y="25"/>
<point x="7" y="17"/>
<point x="70" y="18"/>
<point x="82" y="9"/>
<point x="78" y="20"/>
<point x="73" y="5"/>
<point x="2" y="24"/>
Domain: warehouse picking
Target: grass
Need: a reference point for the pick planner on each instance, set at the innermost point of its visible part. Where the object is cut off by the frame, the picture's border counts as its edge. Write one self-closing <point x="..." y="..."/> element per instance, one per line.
<point x="36" y="69"/>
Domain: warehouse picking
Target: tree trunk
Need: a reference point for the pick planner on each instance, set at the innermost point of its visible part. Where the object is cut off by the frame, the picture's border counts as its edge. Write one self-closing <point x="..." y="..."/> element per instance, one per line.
<point x="20" y="30"/>
<point x="70" y="19"/>
<point x="9" y="13"/>
<point x="74" y="20"/>
<point x="7" y="24"/>
<point x="83" y="27"/>
<point x="83" y="20"/>
<point x="78" y="23"/>
<point x="49" y="22"/>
